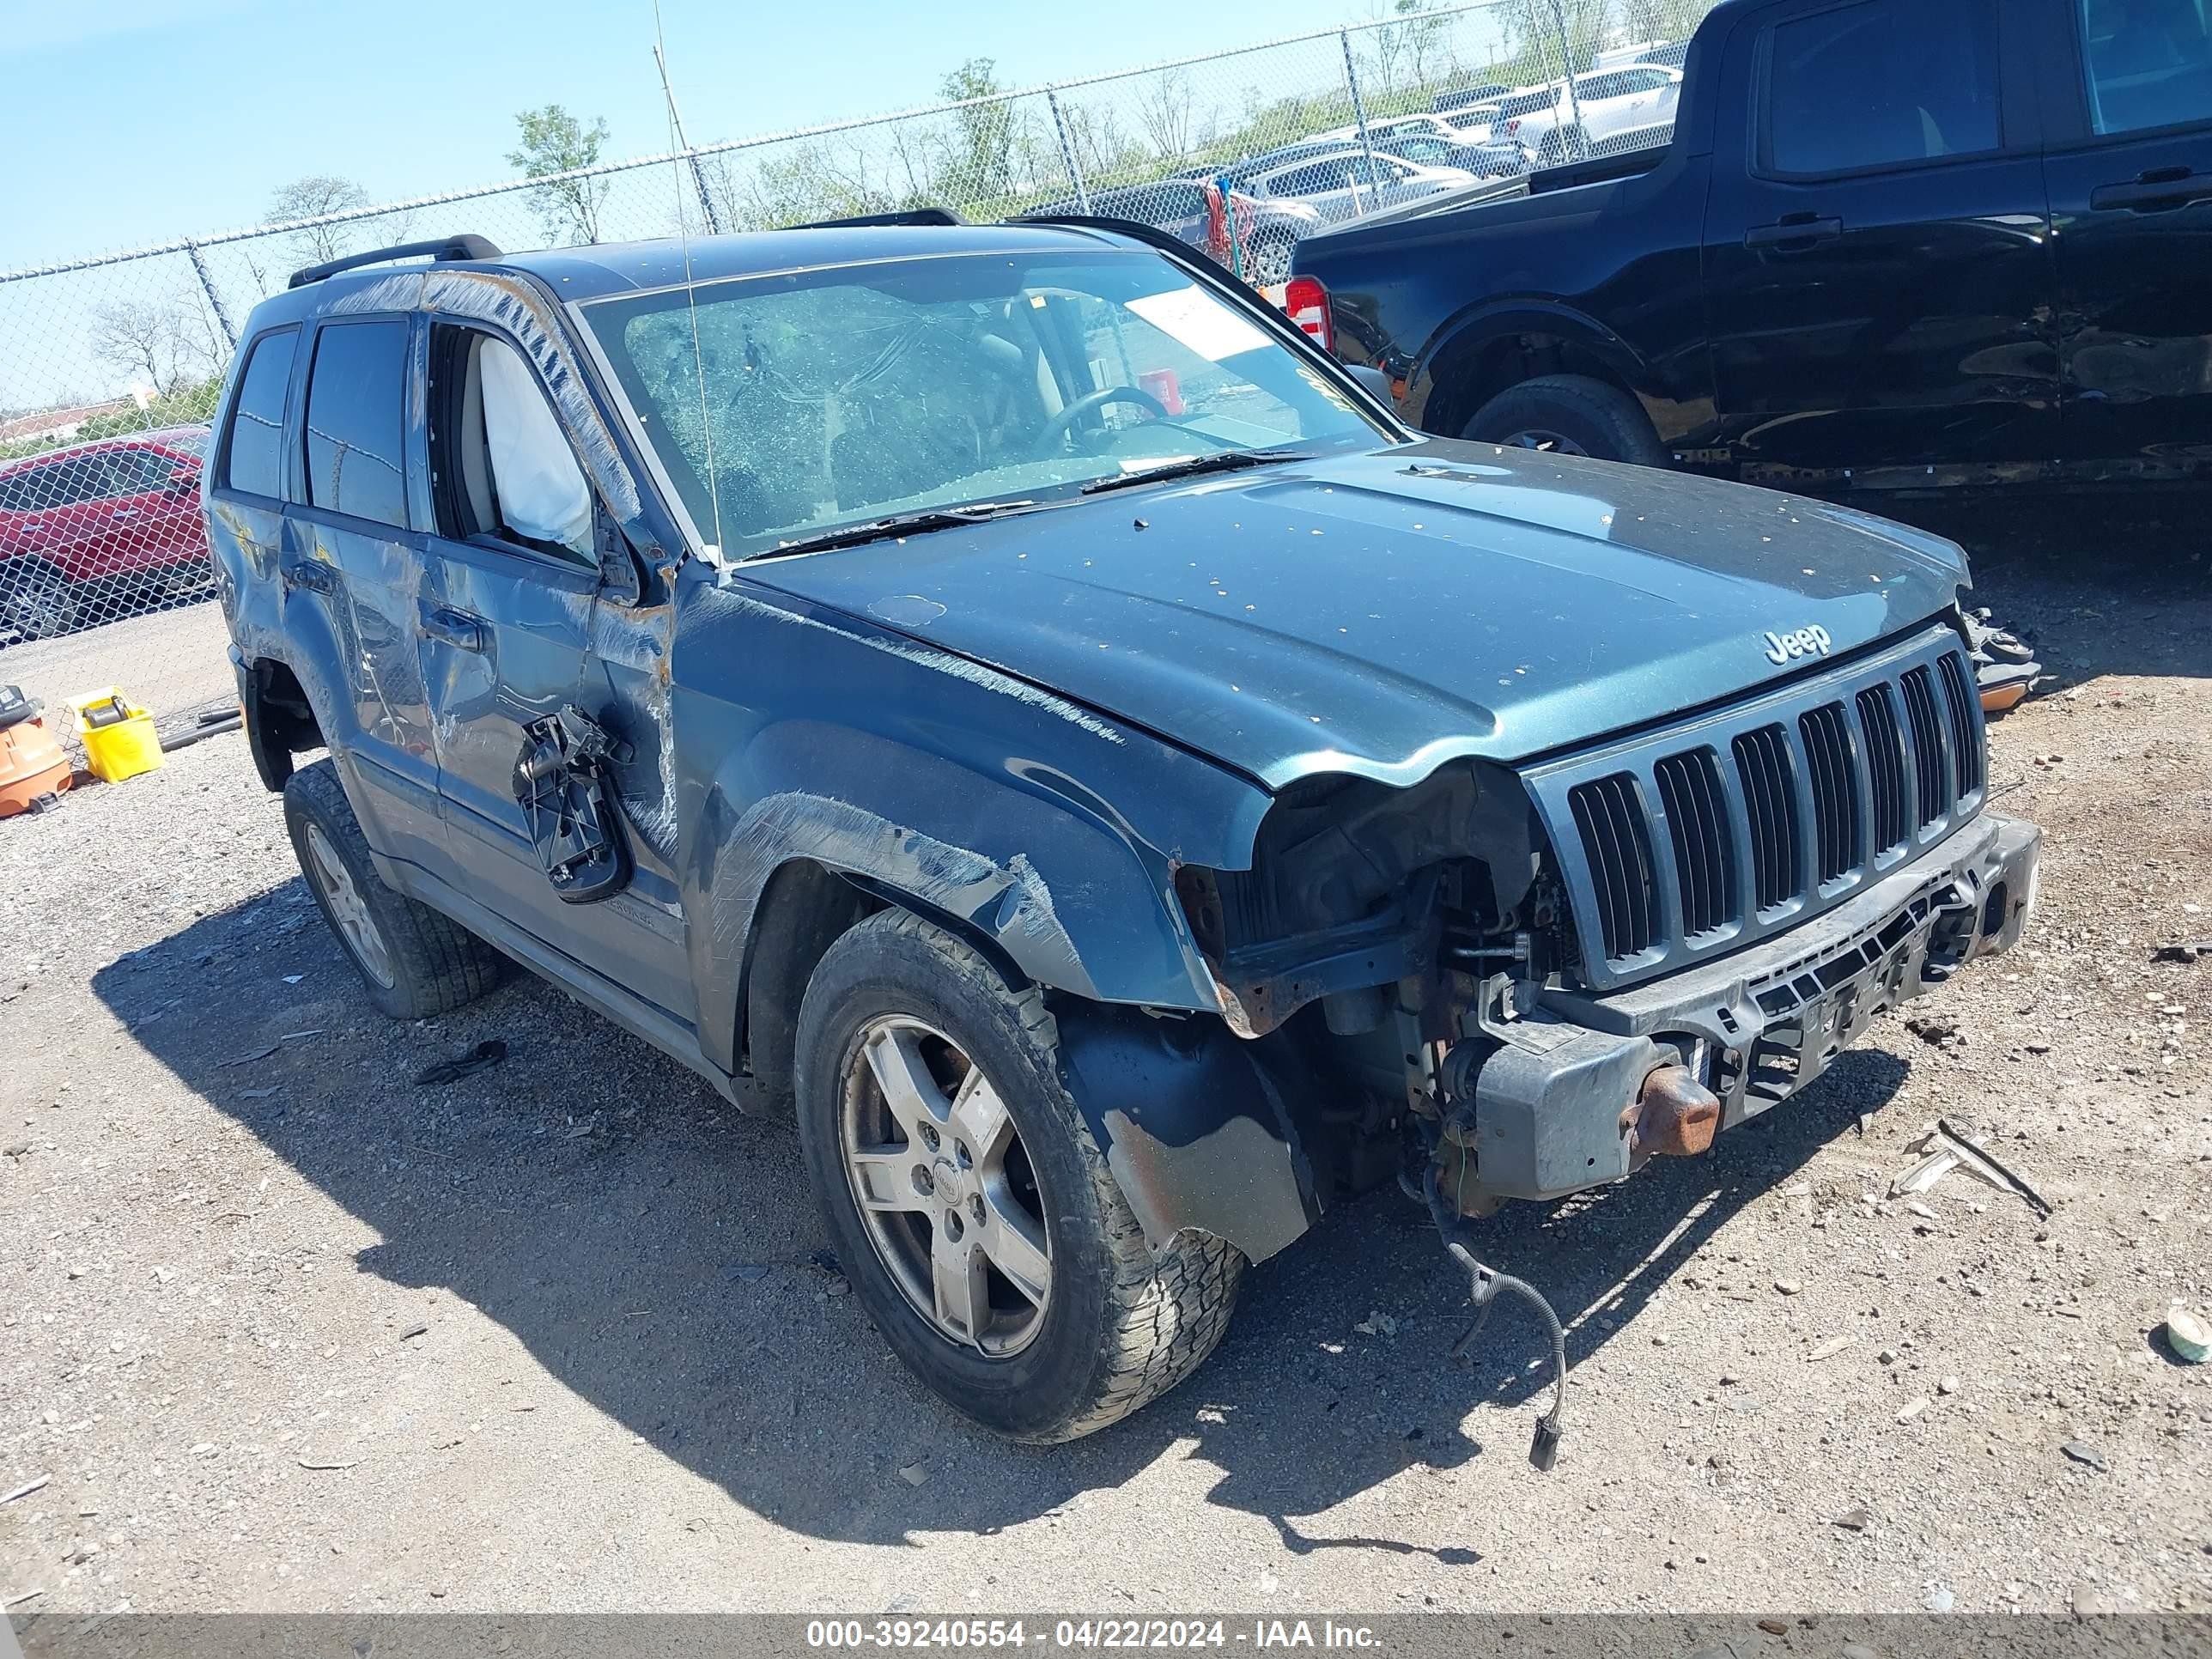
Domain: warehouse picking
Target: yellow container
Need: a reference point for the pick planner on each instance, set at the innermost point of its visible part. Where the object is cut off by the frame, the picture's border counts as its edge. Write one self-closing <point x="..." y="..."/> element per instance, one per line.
<point x="119" y="736"/>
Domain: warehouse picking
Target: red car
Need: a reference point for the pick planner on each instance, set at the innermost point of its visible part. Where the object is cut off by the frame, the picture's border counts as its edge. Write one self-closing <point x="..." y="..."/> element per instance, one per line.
<point x="87" y="529"/>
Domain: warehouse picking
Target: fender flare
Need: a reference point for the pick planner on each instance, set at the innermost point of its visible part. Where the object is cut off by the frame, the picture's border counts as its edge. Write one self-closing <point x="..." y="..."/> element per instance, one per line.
<point x="1494" y="320"/>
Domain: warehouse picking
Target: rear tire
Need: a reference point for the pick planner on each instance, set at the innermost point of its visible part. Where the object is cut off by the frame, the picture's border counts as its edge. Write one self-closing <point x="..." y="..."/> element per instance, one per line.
<point x="1267" y="260"/>
<point x="1570" y="414"/>
<point x="37" y="602"/>
<point x="1059" y="1344"/>
<point x="413" y="961"/>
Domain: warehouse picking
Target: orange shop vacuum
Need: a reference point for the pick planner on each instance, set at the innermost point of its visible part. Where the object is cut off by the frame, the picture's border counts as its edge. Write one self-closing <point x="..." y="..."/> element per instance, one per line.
<point x="34" y="771"/>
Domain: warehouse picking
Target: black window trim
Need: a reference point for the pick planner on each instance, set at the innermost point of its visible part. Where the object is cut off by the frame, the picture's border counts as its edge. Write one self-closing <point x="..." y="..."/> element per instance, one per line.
<point x="485" y="541"/>
<point x="222" y="488"/>
<point x="321" y="512"/>
<point x="1758" y="149"/>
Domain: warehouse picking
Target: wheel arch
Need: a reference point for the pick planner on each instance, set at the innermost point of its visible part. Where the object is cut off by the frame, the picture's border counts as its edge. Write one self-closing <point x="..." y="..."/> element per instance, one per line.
<point x="279" y="716"/>
<point x="1491" y="349"/>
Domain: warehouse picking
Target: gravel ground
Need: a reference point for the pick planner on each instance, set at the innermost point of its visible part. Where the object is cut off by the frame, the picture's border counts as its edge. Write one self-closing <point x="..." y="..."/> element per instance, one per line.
<point x="171" y="662"/>
<point x="285" y="1333"/>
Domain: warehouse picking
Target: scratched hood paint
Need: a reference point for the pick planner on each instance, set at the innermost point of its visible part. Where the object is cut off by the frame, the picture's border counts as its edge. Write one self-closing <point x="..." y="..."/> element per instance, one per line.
<point x="1378" y="613"/>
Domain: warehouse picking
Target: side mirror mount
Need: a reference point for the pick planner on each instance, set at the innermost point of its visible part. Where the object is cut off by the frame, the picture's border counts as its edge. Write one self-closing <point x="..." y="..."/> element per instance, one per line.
<point x="184" y="481"/>
<point x="1376" y="382"/>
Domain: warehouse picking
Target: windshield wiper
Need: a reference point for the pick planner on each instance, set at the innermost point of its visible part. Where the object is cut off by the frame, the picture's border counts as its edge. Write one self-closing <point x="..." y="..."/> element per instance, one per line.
<point x="900" y="524"/>
<point x="1226" y="460"/>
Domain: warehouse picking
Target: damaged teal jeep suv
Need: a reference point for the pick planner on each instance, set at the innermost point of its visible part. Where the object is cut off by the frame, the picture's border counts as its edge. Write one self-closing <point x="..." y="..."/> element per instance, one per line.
<point x="1001" y="695"/>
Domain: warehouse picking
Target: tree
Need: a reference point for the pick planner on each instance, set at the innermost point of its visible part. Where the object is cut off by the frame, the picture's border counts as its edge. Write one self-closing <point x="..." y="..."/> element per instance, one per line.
<point x="554" y="142"/>
<point x="148" y="341"/>
<point x="313" y="198"/>
<point x="984" y="165"/>
<point x="1163" y="111"/>
<point x="1427" y="39"/>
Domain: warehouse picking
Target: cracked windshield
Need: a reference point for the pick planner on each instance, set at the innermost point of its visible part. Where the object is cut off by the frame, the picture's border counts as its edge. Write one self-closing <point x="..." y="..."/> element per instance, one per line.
<point x="785" y="408"/>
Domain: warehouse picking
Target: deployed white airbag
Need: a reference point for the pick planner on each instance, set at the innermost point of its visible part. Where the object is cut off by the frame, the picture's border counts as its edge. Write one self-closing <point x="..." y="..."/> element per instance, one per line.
<point x="542" y="493"/>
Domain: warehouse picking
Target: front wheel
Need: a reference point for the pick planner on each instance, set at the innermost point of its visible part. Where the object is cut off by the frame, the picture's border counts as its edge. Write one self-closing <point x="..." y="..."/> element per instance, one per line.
<point x="970" y="1207"/>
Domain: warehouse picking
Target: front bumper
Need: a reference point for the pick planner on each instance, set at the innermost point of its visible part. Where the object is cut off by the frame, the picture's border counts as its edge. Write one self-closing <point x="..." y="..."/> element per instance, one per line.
<point x="1756" y="1027"/>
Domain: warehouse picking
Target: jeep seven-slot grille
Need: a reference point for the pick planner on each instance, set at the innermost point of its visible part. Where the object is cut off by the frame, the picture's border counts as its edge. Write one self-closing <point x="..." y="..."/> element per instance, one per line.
<point x="1931" y="770"/>
<point x="1835" y="795"/>
<point x="1697" y="820"/>
<point x="1770" y="803"/>
<point x="1610" y="815"/>
<point x="1966" y="742"/>
<point x="1885" y="766"/>
<point x="1768" y="815"/>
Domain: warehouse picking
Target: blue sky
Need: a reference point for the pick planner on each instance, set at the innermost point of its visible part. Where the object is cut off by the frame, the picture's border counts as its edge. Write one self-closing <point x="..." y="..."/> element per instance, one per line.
<point x="131" y="121"/>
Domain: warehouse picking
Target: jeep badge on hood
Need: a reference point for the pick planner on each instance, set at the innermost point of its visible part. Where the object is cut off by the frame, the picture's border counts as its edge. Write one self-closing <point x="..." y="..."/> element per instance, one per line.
<point x="1806" y="642"/>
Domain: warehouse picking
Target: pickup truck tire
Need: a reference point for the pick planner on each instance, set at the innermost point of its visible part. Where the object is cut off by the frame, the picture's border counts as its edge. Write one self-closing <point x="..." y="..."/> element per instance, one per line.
<point x="1267" y="258"/>
<point x="1570" y="414"/>
<point x="900" y="1005"/>
<point x="413" y="961"/>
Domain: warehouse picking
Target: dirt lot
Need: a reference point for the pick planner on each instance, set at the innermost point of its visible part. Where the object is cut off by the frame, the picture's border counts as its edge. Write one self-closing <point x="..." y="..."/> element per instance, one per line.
<point x="287" y="1333"/>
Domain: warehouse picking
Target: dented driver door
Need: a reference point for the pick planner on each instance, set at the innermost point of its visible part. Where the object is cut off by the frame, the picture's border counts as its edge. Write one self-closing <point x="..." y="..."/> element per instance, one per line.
<point x="516" y="626"/>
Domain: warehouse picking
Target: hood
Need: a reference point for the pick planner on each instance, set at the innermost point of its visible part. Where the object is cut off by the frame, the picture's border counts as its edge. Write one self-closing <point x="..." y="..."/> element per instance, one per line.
<point x="1377" y="613"/>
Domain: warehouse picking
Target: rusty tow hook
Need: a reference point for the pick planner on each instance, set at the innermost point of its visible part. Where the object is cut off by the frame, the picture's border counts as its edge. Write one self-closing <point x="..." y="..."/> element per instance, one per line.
<point x="1673" y="1115"/>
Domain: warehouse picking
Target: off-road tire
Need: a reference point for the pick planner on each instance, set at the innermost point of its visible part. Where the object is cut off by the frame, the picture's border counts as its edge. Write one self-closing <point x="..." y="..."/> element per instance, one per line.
<point x="1601" y="421"/>
<point x="1123" y="1323"/>
<point x="437" y="963"/>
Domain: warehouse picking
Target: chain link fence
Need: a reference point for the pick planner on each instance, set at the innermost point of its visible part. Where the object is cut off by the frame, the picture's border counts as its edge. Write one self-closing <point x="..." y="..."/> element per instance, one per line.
<point x="111" y="366"/>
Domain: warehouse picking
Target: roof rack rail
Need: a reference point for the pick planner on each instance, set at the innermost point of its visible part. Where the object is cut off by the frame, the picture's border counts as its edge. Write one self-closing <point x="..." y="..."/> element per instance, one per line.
<point x="926" y="215"/>
<point x="442" y="249"/>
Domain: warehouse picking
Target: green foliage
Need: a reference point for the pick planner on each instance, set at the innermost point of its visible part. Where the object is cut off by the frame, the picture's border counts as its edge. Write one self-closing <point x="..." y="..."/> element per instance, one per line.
<point x="184" y="404"/>
<point x="984" y="163"/>
<point x="555" y="141"/>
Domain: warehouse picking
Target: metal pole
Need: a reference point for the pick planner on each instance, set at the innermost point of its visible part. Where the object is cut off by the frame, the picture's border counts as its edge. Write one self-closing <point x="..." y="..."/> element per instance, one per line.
<point x="676" y="125"/>
<point x="215" y="299"/>
<point x="1567" y="72"/>
<point x="1067" y="151"/>
<point x="1359" y="110"/>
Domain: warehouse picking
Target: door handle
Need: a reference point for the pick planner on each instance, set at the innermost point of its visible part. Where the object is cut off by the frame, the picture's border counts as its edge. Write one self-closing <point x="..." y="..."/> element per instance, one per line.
<point x="2149" y="192"/>
<point x="456" y="628"/>
<point x="306" y="573"/>
<point x="1799" y="230"/>
<point x="124" y="513"/>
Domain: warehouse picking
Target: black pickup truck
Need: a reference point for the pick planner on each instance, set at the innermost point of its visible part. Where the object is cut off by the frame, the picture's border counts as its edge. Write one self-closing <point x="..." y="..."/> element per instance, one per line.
<point x="1893" y="244"/>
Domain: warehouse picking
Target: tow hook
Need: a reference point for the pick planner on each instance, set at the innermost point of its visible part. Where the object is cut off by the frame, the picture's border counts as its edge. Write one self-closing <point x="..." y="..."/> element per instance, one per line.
<point x="1487" y="1281"/>
<point x="1673" y="1115"/>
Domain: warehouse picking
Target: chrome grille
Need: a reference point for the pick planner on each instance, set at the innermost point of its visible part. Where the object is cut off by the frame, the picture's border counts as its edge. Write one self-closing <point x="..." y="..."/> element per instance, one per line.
<point x="1694" y="840"/>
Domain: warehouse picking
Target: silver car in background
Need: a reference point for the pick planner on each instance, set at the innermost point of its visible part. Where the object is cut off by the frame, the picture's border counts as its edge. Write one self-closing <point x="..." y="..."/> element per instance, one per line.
<point x="1341" y="184"/>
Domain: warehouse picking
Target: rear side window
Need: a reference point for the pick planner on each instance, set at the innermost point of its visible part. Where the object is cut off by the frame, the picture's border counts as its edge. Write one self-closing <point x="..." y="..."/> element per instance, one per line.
<point x="2150" y="63"/>
<point x="1881" y="83"/>
<point x="356" y="421"/>
<point x="256" y="446"/>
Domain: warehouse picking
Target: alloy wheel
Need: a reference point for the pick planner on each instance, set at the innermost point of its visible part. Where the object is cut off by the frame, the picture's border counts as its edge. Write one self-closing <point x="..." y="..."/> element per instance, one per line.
<point x="944" y="1187"/>
<point x="356" y="926"/>
<point x="1552" y="443"/>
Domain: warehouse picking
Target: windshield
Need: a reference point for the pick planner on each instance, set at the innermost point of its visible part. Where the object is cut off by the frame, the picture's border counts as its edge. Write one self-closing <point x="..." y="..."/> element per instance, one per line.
<point x="813" y="401"/>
